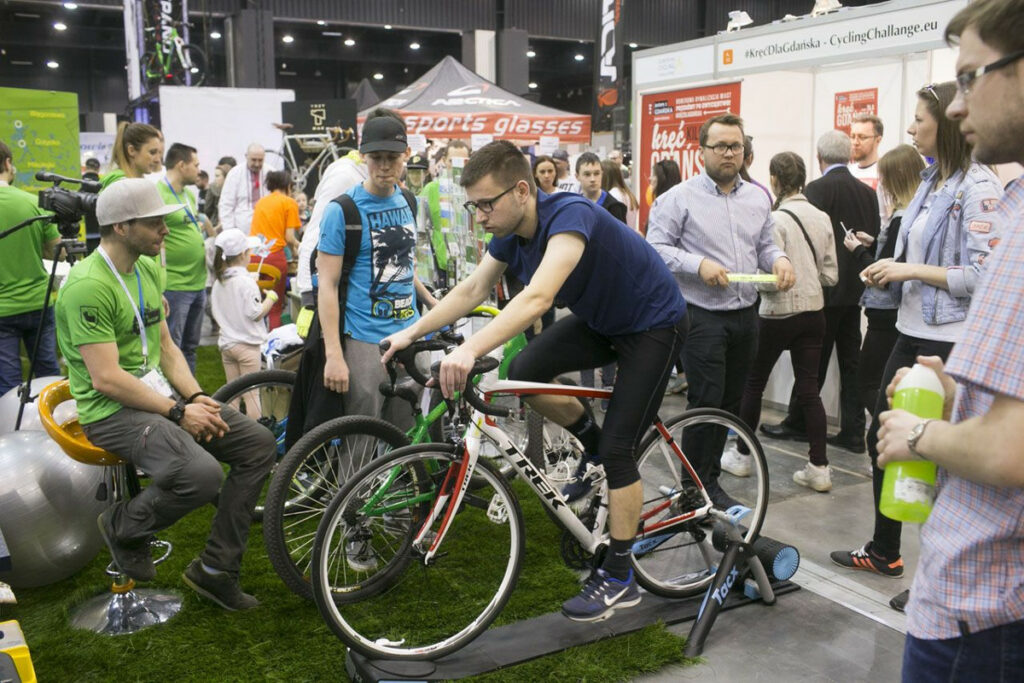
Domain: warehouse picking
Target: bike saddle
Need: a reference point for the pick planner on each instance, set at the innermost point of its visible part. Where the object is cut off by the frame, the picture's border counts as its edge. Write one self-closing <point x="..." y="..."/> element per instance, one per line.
<point x="407" y="390"/>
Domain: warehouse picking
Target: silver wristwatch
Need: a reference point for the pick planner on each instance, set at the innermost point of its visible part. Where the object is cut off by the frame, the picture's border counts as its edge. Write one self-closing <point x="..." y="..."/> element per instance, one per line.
<point x="915" y="435"/>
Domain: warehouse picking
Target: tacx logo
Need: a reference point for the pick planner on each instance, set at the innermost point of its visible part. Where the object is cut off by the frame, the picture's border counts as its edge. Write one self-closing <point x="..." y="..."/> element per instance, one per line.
<point x="478" y="89"/>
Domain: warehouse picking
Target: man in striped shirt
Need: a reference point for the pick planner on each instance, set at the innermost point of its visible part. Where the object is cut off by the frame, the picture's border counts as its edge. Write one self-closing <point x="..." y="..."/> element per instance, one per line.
<point x="705" y="228"/>
<point x="966" y="612"/>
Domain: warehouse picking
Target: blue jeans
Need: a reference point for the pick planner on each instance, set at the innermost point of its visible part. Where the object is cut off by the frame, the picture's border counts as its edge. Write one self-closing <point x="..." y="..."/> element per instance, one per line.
<point x="995" y="654"/>
<point x="185" y="321"/>
<point x="22" y="327"/>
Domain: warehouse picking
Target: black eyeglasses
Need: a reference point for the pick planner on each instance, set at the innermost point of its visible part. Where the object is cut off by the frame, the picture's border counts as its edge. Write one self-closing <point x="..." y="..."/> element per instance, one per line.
<point x="965" y="80"/>
<point x="486" y="205"/>
<point x="721" y="148"/>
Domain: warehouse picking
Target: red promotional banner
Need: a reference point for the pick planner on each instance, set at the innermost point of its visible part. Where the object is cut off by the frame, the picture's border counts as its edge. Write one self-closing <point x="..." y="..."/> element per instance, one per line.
<point x="670" y="126"/>
<point x="853" y="102"/>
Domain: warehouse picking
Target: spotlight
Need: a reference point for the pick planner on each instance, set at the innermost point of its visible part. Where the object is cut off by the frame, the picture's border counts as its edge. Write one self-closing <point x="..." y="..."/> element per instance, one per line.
<point x="531" y="54"/>
<point x="578" y="57"/>
<point x="737" y="20"/>
<point x="60" y="26"/>
<point x="321" y="22"/>
<point x="287" y="39"/>
<point x="387" y="27"/>
<point x="215" y="35"/>
<point x="349" y="42"/>
<point x="70" y="5"/>
<point x="378" y="76"/>
<point x="53" y="64"/>
<point x="414" y="46"/>
<point x="633" y="45"/>
<point x="533" y="86"/>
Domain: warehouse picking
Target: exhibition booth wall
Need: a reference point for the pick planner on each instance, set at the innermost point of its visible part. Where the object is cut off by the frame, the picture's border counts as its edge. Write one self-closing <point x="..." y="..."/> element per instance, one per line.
<point x="791" y="82"/>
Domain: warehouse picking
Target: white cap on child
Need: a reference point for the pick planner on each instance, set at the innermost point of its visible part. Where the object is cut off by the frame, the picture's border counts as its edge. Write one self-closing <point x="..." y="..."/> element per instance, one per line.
<point x="234" y="242"/>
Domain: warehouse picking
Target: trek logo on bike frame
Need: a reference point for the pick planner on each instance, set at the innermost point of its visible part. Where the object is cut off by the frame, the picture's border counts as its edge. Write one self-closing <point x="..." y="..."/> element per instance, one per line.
<point x="542" y="485"/>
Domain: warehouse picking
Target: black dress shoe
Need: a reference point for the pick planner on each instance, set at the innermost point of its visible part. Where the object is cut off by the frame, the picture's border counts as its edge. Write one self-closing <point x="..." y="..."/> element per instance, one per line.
<point x="783" y="431"/>
<point x="846" y="443"/>
<point x="899" y="602"/>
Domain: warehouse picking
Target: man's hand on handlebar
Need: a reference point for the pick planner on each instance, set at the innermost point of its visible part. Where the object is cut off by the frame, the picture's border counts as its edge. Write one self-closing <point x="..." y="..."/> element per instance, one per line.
<point x="395" y="343"/>
<point x="455" y="370"/>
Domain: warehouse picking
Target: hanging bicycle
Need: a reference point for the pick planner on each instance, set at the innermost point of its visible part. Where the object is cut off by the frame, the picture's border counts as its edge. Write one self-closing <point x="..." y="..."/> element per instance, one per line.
<point x="173" y="60"/>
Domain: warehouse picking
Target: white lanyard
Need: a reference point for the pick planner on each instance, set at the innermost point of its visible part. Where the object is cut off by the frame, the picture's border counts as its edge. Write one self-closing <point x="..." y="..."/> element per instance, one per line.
<point x="140" y="311"/>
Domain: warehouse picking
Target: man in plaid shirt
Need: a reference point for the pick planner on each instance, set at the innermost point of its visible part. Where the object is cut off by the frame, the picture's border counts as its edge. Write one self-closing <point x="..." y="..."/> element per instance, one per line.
<point x="966" y="612"/>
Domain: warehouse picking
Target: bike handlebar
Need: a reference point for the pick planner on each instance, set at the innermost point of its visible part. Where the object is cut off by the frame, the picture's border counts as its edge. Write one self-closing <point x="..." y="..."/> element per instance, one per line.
<point x="470" y="393"/>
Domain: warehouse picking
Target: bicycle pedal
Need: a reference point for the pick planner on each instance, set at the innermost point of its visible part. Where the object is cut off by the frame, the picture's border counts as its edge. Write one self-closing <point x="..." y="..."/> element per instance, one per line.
<point x="736" y="514"/>
<point x="497" y="511"/>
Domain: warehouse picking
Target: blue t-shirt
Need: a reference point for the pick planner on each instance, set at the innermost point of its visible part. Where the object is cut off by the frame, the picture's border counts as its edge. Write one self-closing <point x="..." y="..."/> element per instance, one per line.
<point x="381" y="297"/>
<point x="619" y="286"/>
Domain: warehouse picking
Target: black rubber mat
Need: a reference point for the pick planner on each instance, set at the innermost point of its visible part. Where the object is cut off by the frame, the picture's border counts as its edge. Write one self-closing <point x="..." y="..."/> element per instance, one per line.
<point x="525" y="640"/>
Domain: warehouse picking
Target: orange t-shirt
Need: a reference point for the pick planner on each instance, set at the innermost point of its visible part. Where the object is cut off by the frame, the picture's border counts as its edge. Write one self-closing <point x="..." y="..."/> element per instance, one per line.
<point x="272" y="215"/>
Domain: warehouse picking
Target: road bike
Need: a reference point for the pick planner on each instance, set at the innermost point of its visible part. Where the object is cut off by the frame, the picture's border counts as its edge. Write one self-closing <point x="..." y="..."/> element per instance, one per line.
<point x="173" y="61"/>
<point x="319" y="151"/>
<point x="311" y="473"/>
<point x="440" y="530"/>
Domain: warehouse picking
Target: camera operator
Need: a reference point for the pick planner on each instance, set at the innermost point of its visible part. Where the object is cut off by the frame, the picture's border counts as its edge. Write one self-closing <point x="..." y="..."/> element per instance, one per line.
<point x="23" y="281"/>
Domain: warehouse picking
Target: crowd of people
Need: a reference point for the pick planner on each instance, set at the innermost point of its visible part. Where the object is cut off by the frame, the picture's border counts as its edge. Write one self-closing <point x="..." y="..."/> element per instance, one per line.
<point x="922" y="241"/>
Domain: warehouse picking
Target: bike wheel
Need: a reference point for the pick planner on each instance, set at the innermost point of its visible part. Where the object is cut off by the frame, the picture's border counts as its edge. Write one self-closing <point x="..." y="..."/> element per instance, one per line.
<point x="677" y="560"/>
<point x="416" y="609"/>
<point x="265" y="396"/>
<point x="306" y="481"/>
<point x="192" y="70"/>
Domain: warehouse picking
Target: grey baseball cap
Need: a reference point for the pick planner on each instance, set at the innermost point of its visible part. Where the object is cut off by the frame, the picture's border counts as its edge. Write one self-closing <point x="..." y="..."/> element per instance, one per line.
<point x="129" y="199"/>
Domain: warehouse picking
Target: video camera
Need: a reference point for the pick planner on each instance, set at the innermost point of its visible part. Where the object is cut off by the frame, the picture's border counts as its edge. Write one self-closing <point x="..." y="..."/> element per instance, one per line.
<point x="69" y="207"/>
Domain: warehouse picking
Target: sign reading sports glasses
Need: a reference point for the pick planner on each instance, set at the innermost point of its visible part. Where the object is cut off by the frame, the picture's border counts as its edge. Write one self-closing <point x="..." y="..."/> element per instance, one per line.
<point x="919" y="28"/>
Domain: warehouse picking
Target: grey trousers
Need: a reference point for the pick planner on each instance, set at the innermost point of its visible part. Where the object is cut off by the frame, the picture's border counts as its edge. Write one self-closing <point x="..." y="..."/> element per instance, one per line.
<point x="366" y="372"/>
<point x="185" y="476"/>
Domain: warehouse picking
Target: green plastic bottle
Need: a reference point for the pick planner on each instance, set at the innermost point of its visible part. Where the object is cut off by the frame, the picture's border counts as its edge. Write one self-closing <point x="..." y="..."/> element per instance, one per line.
<point x="908" y="488"/>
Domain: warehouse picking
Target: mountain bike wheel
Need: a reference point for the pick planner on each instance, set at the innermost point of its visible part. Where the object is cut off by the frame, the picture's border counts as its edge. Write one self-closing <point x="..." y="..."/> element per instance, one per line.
<point x="265" y="396"/>
<point x="306" y="480"/>
<point x="193" y="70"/>
<point x="679" y="560"/>
<point x="418" y="610"/>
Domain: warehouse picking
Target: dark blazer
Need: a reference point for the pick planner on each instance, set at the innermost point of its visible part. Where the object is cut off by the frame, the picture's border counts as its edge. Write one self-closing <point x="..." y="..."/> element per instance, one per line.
<point x="846" y="199"/>
<point x="614" y="207"/>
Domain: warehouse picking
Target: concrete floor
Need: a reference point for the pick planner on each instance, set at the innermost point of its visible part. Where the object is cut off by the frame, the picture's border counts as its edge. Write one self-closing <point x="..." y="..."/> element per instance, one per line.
<point x="840" y="626"/>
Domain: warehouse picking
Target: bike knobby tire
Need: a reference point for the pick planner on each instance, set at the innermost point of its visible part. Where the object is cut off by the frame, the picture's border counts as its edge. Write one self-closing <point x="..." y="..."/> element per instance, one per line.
<point x="306" y="480"/>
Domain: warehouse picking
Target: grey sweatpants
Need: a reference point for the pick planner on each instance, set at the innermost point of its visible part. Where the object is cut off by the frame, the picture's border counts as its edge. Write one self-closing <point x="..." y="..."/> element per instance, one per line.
<point x="185" y="476"/>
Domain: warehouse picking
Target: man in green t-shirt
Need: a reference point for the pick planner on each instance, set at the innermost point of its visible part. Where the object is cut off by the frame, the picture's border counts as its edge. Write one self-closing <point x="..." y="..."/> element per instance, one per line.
<point x="138" y="400"/>
<point x="184" y="256"/>
<point x="23" y="281"/>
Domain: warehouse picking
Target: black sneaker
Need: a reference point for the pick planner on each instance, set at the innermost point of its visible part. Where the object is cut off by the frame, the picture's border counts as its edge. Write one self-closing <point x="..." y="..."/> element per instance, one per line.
<point x="854" y="445"/>
<point x="133" y="559"/>
<point x="222" y="588"/>
<point x="721" y="499"/>
<point x="868" y="560"/>
<point x="899" y="602"/>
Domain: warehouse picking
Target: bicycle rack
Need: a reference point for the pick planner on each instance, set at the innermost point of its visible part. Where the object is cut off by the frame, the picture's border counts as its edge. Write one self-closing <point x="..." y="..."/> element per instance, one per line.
<point x="520" y="642"/>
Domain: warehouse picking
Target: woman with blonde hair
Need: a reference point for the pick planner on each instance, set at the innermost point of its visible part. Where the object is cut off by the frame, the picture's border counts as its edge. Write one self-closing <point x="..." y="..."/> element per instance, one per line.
<point x="138" y="150"/>
<point x="899" y="173"/>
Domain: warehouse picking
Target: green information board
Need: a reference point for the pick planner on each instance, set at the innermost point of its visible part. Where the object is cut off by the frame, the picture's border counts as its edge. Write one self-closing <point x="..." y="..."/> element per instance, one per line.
<point x="41" y="128"/>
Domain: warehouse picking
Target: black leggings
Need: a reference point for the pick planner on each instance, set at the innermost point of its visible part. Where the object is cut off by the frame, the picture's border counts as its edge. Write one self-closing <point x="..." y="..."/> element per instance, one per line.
<point x="645" y="361"/>
<point x="886" y="539"/>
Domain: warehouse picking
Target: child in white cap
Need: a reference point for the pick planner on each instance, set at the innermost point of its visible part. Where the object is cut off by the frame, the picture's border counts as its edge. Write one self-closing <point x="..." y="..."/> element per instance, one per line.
<point x="239" y="309"/>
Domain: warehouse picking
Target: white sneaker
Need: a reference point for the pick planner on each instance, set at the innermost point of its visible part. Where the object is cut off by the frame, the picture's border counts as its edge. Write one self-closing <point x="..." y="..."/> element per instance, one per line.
<point x="817" y="477"/>
<point x="735" y="463"/>
<point x="359" y="556"/>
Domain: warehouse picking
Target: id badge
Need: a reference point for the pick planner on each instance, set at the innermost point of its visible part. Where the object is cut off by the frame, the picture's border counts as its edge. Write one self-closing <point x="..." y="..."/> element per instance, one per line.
<point x="158" y="383"/>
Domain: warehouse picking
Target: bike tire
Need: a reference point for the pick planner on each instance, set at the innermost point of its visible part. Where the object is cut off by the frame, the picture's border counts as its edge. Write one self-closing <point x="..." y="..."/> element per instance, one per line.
<point x="275" y="387"/>
<point x="304" y="483"/>
<point x="680" y="560"/>
<point x="194" y="76"/>
<point x="421" y="610"/>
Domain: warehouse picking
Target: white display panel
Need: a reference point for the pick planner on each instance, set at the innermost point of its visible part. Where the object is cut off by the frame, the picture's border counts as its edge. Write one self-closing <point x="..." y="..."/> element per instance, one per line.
<point x="222" y="121"/>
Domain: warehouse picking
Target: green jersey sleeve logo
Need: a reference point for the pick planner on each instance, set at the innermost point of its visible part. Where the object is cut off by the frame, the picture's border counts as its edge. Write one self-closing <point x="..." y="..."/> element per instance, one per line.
<point x="90" y="316"/>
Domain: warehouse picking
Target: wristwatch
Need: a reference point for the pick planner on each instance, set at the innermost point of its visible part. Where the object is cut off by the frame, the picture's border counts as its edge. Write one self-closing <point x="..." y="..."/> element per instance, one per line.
<point x="177" y="412"/>
<point x="915" y="435"/>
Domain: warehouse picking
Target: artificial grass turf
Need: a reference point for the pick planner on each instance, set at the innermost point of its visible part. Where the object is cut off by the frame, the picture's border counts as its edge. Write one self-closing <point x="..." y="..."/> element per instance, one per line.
<point x="285" y="639"/>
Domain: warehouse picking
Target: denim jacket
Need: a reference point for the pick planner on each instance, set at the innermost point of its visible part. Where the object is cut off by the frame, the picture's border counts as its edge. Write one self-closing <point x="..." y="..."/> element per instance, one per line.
<point x="960" y="232"/>
<point x="883" y="298"/>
